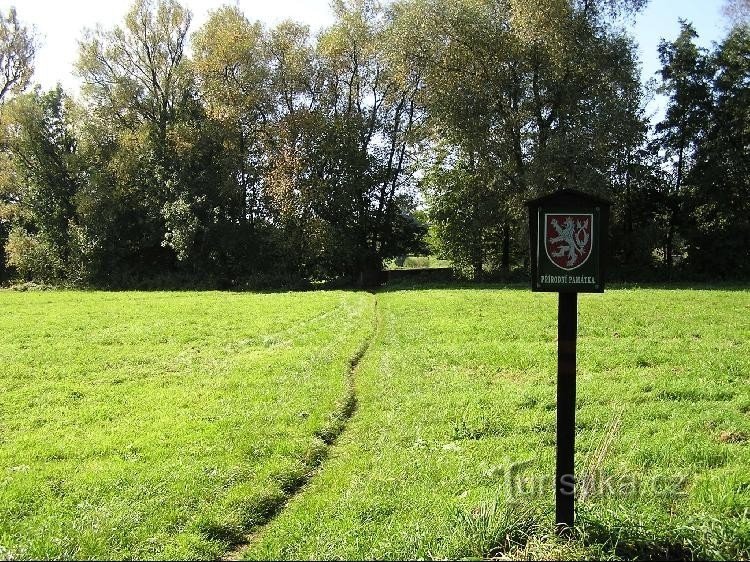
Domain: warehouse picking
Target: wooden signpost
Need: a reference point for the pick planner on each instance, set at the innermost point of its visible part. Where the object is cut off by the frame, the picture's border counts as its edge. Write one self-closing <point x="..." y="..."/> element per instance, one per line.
<point x="567" y="241"/>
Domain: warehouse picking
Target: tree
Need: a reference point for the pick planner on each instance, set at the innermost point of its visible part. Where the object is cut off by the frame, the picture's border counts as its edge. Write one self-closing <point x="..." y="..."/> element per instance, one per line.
<point x="529" y="98"/>
<point x="375" y="102"/>
<point x="464" y="210"/>
<point x="294" y="129"/>
<point x="716" y="202"/>
<point x="346" y="117"/>
<point x="138" y="91"/>
<point x="233" y="70"/>
<point x="465" y="83"/>
<point x="137" y="71"/>
<point x="737" y="11"/>
<point x="686" y="79"/>
<point x="41" y="245"/>
<point x="275" y="151"/>
<point x="17" y="52"/>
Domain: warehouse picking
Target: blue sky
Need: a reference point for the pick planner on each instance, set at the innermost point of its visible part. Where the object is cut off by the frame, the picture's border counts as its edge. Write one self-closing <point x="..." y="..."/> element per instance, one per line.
<point x="660" y="20"/>
<point x="60" y="23"/>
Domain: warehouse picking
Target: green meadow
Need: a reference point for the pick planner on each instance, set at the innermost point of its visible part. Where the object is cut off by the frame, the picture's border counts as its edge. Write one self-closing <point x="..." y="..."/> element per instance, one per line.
<point x="415" y="422"/>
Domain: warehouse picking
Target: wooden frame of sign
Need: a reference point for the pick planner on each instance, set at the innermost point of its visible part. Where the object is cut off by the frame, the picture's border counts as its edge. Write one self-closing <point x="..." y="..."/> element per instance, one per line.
<point x="568" y="242"/>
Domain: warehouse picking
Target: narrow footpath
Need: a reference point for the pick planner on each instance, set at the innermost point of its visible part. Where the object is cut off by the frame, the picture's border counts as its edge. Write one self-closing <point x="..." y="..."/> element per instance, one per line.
<point x="328" y="435"/>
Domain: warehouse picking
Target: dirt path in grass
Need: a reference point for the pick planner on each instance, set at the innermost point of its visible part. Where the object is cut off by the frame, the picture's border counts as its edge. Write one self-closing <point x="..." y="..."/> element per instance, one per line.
<point x="329" y="435"/>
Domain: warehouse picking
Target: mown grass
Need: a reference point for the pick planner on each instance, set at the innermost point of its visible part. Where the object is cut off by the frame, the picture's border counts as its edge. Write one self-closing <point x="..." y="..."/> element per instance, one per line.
<point x="171" y="425"/>
<point x="451" y="451"/>
<point x="164" y="425"/>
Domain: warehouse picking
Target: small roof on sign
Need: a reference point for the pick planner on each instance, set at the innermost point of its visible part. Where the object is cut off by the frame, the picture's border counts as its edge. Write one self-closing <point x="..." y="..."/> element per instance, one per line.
<point x="565" y="195"/>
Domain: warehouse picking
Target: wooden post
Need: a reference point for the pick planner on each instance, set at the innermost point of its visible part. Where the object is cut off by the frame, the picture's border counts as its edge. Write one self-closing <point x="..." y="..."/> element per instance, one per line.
<point x="567" y="326"/>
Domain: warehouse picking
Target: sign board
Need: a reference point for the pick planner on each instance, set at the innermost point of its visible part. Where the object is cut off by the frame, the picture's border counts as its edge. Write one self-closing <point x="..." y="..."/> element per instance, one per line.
<point x="568" y="238"/>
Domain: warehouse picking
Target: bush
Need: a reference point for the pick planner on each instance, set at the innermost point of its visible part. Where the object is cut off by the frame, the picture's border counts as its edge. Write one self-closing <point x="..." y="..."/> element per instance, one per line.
<point x="32" y="257"/>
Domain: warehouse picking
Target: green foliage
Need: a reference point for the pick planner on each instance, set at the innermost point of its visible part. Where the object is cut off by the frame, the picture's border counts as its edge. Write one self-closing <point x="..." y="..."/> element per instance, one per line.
<point x="703" y="201"/>
<point x="717" y="230"/>
<point x="182" y="227"/>
<point x="415" y="127"/>
<point x="33" y="257"/>
<point x="248" y="160"/>
<point x="347" y="121"/>
<point x="43" y="186"/>
<point x="523" y="98"/>
<point x="467" y="216"/>
<point x="686" y="74"/>
<point x="137" y="71"/>
<point x="17" y="51"/>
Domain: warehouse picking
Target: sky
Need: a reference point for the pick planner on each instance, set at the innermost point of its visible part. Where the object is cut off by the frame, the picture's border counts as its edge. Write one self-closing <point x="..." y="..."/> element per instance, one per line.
<point x="660" y="20"/>
<point x="60" y="23"/>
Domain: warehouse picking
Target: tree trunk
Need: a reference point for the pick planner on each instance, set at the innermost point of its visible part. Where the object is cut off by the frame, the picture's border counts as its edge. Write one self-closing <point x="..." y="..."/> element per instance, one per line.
<point x="246" y="205"/>
<point x="505" y="259"/>
<point x="673" y="209"/>
<point x="478" y="271"/>
<point x="370" y="272"/>
<point x="669" y="248"/>
<point x="476" y="247"/>
<point x="628" y="212"/>
<point x="477" y="263"/>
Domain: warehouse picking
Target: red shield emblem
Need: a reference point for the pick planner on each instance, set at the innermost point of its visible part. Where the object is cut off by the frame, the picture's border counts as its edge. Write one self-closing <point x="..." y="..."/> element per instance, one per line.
<point x="568" y="239"/>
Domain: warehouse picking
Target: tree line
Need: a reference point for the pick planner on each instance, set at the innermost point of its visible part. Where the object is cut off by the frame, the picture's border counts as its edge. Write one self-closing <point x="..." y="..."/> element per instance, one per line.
<point x="239" y="155"/>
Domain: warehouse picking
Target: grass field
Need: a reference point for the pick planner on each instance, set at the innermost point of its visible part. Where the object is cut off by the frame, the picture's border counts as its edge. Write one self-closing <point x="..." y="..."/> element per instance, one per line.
<point x="140" y="425"/>
<point x="203" y="425"/>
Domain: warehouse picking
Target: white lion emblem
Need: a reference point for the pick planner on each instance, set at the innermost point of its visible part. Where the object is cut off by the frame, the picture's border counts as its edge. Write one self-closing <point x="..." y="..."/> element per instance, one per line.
<point x="574" y="236"/>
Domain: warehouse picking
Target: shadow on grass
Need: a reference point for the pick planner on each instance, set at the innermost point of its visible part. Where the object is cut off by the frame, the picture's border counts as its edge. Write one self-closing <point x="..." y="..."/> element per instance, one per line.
<point x="524" y="286"/>
<point x="263" y="510"/>
<point x="280" y="284"/>
<point x="523" y="531"/>
<point x="641" y="537"/>
<point x="638" y="542"/>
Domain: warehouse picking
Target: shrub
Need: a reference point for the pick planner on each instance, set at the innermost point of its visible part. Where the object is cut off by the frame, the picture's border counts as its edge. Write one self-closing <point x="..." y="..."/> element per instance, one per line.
<point x="32" y="257"/>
